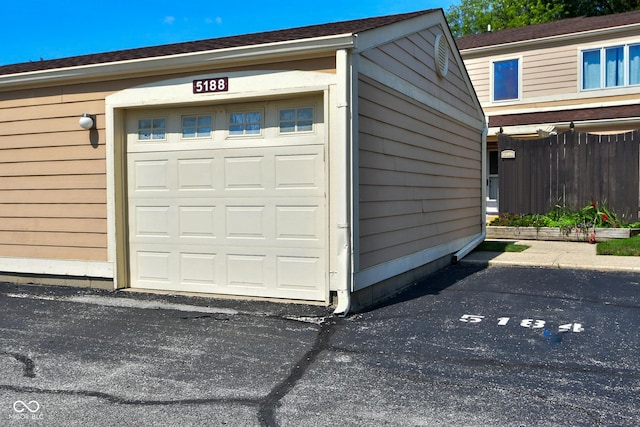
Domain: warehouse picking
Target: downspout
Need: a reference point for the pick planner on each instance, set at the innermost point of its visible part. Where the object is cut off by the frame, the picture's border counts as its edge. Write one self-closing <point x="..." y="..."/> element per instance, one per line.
<point x="343" y="174"/>
<point x="483" y="234"/>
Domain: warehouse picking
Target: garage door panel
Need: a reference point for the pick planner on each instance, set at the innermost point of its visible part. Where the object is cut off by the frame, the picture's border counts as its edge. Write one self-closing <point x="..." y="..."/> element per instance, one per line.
<point x="244" y="173"/>
<point x="197" y="174"/>
<point x="296" y="223"/>
<point x="299" y="273"/>
<point x="243" y="217"/>
<point x="151" y="175"/>
<point x="198" y="222"/>
<point x="299" y="171"/>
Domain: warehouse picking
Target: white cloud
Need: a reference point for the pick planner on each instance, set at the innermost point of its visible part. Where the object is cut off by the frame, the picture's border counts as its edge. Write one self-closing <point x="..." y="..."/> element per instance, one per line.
<point x="217" y="20"/>
<point x="169" y="20"/>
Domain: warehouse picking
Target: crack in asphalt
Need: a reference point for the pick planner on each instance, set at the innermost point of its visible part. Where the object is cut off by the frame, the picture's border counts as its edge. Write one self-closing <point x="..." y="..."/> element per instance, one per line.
<point x="266" y="406"/>
<point x="269" y="404"/>
<point x="29" y="368"/>
<point x="123" y="401"/>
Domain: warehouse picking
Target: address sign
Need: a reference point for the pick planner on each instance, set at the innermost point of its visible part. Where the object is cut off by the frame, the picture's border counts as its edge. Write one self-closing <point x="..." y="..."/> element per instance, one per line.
<point x="216" y="84"/>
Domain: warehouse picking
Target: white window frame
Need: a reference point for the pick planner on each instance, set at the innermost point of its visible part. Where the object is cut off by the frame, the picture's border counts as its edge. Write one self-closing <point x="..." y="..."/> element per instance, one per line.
<point x="244" y="111"/>
<point x="295" y="121"/>
<point x="152" y="140"/>
<point x="197" y="137"/>
<point x="603" y="67"/>
<point x="492" y="78"/>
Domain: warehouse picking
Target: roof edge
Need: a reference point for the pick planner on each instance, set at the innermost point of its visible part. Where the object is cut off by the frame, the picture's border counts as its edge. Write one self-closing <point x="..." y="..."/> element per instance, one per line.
<point x="161" y="64"/>
<point x="549" y="39"/>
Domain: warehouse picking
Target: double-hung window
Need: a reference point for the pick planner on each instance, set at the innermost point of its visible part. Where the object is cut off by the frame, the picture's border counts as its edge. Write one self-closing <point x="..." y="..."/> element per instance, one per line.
<point x="611" y="67"/>
<point x="506" y="80"/>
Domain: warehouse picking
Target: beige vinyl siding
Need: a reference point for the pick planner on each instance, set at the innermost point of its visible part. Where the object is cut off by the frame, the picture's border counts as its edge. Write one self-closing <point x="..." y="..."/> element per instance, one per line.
<point x="52" y="179"/>
<point x="419" y="176"/>
<point x="411" y="59"/>
<point x="549" y="72"/>
<point x="479" y="73"/>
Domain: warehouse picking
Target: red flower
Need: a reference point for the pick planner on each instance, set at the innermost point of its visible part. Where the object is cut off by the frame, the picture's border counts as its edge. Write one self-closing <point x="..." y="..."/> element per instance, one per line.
<point x="593" y="204"/>
<point x="605" y="217"/>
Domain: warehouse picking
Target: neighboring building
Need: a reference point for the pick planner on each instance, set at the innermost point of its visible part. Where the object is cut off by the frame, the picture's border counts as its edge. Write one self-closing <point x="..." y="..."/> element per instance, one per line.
<point x="533" y="81"/>
<point x="331" y="161"/>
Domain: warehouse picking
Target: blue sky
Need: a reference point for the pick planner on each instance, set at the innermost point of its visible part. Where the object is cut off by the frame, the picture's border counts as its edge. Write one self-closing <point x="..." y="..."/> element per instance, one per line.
<point x="56" y="29"/>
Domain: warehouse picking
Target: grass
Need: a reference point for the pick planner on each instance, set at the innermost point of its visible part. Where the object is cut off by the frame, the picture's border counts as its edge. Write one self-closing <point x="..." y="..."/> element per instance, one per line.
<point x="620" y="247"/>
<point x="491" y="246"/>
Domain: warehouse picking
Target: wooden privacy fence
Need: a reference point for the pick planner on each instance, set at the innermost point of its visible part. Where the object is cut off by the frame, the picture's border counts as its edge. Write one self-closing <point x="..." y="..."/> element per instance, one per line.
<point x="571" y="169"/>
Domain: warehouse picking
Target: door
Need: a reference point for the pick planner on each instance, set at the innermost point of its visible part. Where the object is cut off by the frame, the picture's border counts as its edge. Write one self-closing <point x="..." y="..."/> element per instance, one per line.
<point x="229" y="199"/>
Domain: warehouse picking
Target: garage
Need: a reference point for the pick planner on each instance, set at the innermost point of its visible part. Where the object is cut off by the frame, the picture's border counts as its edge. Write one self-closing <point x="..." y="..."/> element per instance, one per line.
<point x="229" y="199"/>
<point x="335" y="163"/>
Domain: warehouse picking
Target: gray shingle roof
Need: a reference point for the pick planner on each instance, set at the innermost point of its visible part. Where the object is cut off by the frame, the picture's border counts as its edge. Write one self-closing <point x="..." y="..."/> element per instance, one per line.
<point x="549" y="29"/>
<point x="312" y="31"/>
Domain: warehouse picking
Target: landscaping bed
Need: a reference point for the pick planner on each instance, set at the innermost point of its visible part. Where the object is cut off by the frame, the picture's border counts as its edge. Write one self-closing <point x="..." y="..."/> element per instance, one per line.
<point x="593" y="223"/>
<point x="559" y="234"/>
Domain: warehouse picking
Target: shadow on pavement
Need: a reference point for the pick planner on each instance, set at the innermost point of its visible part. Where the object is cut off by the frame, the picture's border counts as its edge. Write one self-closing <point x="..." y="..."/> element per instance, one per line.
<point x="431" y="285"/>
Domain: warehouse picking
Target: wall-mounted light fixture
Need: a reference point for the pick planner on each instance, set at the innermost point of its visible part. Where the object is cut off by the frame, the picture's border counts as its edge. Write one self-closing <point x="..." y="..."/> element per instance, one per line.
<point x="87" y="121"/>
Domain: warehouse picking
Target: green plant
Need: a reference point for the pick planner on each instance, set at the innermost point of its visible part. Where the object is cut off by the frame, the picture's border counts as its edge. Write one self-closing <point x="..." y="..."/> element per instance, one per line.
<point x="592" y="216"/>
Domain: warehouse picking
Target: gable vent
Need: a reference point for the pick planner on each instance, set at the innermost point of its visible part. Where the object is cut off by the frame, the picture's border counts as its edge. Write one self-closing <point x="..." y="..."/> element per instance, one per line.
<point x="441" y="54"/>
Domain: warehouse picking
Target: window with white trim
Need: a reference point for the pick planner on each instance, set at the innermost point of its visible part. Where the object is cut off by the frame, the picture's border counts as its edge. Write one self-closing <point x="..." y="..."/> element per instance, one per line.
<point x="294" y="120"/>
<point x="610" y="67"/>
<point x="245" y="123"/>
<point x="196" y="126"/>
<point x="506" y="79"/>
<point x="152" y="129"/>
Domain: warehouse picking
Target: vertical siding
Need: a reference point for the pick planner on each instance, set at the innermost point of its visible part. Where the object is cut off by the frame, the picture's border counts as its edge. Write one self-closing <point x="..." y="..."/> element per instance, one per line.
<point x="52" y="177"/>
<point x="420" y="176"/>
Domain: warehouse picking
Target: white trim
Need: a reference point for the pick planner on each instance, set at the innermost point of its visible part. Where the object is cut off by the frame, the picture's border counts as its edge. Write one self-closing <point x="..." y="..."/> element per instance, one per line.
<point x="496" y="111"/>
<point x="242" y="85"/>
<point x="370" y="39"/>
<point x="57" y="267"/>
<point x="374" y="71"/>
<point x="632" y="122"/>
<point x="389" y="269"/>
<point x="163" y="64"/>
<point x="492" y="62"/>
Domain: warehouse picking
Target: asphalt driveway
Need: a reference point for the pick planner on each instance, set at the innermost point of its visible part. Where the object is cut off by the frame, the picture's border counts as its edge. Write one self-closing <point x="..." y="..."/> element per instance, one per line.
<point x="469" y="346"/>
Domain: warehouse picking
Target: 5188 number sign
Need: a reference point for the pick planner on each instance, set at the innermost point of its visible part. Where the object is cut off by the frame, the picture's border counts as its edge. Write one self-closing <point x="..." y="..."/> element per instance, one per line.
<point x="216" y="84"/>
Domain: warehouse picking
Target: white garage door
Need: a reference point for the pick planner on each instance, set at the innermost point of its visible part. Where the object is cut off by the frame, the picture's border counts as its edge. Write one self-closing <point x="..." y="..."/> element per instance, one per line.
<point x="229" y="200"/>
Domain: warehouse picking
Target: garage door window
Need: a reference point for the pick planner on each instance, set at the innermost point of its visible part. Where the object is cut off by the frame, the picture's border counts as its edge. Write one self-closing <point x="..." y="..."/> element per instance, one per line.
<point x="152" y="129"/>
<point x="196" y="126"/>
<point x="296" y="120"/>
<point x="245" y="123"/>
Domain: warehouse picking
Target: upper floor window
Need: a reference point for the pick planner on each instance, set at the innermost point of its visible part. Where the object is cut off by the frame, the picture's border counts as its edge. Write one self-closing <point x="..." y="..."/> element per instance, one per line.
<point x="611" y="67"/>
<point x="506" y="80"/>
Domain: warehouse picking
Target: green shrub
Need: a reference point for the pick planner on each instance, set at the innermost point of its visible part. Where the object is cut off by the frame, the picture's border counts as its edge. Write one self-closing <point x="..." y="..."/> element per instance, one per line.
<point x="593" y="215"/>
